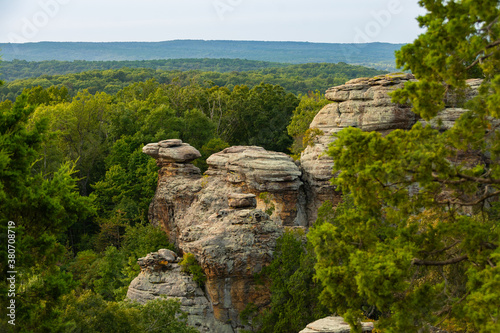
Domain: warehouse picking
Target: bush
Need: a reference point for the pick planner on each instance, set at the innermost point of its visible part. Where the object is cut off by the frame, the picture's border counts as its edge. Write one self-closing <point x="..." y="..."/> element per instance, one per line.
<point x="190" y="265"/>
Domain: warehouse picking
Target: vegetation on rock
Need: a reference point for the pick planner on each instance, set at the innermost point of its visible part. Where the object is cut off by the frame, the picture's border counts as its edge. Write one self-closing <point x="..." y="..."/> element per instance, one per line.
<point x="191" y="266"/>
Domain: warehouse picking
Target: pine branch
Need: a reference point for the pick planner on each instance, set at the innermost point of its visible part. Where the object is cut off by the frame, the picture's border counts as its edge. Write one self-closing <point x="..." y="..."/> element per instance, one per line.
<point x="419" y="262"/>
<point x="441" y="250"/>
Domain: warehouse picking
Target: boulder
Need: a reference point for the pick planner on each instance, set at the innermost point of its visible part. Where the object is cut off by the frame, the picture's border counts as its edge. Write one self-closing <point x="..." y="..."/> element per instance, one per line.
<point x="171" y="151"/>
<point x="159" y="279"/>
<point x="333" y="324"/>
<point x="168" y="255"/>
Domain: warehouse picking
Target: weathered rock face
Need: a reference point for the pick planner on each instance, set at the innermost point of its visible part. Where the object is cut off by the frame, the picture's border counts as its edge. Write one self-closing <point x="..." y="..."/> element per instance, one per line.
<point x="162" y="276"/>
<point x="363" y="103"/>
<point x="217" y="218"/>
<point x="273" y="177"/>
<point x="231" y="217"/>
<point x="333" y="325"/>
<point x="171" y="151"/>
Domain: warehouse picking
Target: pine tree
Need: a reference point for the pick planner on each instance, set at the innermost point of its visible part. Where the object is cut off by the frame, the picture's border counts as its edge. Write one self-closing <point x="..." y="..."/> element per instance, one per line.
<point x="416" y="242"/>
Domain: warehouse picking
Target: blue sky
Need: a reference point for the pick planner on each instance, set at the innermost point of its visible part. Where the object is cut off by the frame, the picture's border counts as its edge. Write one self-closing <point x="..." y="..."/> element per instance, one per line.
<point x="330" y="21"/>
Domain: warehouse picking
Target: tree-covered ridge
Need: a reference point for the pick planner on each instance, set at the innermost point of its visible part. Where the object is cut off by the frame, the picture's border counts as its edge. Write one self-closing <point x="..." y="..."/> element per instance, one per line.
<point x="294" y="78"/>
<point x="22" y="69"/>
<point x="380" y="55"/>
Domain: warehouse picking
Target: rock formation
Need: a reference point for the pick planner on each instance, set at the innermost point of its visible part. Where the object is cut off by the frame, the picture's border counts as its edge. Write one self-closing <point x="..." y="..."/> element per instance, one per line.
<point x="362" y="103"/>
<point x="273" y="177"/>
<point x="221" y="218"/>
<point x="333" y="325"/>
<point x="161" y="275"/>
<point x="230" y="217"/>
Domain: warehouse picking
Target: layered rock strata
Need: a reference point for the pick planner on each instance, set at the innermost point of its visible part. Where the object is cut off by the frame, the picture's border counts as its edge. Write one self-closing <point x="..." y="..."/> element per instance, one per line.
<point x="221" y="218"/>
<point x="363" y="103"/>
<point x="273" y="177"/>
<point x="366" y="103"/>
<point x="161" y="276"/>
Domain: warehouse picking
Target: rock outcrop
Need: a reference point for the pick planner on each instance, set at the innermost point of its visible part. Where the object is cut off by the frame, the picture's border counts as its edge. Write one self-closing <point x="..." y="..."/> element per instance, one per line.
<point x="221" y="217"/>
<point x="160" y="276"/>
<point x="333" y="325"/>
<point x="231" y="216"/>
<point x="363" y="103"/>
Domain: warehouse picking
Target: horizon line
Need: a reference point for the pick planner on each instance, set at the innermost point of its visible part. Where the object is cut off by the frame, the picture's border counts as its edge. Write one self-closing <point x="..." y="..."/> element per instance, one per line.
<point x="202" y="40"/>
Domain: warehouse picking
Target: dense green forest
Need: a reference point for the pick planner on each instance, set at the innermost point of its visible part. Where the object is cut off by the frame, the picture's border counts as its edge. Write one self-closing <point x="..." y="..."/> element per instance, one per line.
<point x="413" y="246"/>
<point x="78" y="187"/>
<point x="22" y="69"/>
<point x="379" y="55"/>
<point x="298" y="79"/>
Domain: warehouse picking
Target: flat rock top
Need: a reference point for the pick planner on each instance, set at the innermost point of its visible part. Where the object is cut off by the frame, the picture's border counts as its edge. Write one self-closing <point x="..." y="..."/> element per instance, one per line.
<point x="333" y="325"/>
<point x="261" y="169"/>
<point x="255" y="158"/>
<point x="364" y="83"/>
<point x="380" y="80"/>
<point x="171" y="151"/>
<point x="239" y="196"/>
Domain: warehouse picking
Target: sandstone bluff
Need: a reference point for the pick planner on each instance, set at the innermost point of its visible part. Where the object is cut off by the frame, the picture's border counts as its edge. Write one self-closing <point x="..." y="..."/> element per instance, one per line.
<point x="231" y="216"/>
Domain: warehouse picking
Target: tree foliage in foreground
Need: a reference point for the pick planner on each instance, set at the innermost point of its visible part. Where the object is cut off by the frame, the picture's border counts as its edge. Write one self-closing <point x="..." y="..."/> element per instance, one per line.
<point x="89" y="312"/>
<point x="294" y="293"/>
<point x="416" y="244"/>
<point x="55" y="293"/>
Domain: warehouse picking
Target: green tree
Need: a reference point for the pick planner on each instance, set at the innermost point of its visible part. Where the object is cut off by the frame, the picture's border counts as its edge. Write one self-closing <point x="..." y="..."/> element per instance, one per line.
<point x="89" y="312"/>
<point x="42" y="207"/>
<point x="303" y="115"/>
<point x="418" y="245"/>
<point x="81" y="133"/>
<point x="259" y="116"/>
<point x="294" y="293"/>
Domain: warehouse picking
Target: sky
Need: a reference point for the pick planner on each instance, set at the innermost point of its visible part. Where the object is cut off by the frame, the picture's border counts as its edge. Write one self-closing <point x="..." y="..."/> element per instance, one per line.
<point x="327" y="21"/>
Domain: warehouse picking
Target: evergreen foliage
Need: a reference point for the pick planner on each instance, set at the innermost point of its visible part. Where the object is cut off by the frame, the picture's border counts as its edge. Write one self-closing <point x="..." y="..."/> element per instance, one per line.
<point x="415" y="242"/>
<point x="294" y="293"/>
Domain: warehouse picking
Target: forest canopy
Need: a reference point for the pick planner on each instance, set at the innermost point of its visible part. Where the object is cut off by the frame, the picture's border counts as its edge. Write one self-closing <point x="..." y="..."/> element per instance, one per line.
<point x="297" y="79"/>
<point x="77" y="186"/>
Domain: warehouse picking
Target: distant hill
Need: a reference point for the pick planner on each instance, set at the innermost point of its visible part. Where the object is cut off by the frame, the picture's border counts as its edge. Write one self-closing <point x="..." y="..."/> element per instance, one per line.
<point x="378" y="55"/>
